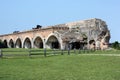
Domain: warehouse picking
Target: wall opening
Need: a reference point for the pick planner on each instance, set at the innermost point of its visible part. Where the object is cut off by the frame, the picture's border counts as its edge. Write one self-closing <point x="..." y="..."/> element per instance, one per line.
<point x="38" y="43"/>
<point x="11" y="44"/>
<point x="77" y="45"/>
<point x="18" y="43"/>
<point x="27" y="43"/>
<point x="53" y="42"/>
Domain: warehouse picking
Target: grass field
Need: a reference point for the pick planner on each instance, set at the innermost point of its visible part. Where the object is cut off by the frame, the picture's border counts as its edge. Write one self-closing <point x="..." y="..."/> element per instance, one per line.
<point x="61" y="67"/>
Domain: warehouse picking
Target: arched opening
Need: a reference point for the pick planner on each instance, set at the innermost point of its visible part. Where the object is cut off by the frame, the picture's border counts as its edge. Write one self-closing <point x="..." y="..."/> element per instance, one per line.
<point x="11" y="44"/>
<point x="18" y="43"/>
<point x="5" y="44"/>
<point x="27" y="43"/>
<point x="53" y="42"/>
<point x="38" y="43"/>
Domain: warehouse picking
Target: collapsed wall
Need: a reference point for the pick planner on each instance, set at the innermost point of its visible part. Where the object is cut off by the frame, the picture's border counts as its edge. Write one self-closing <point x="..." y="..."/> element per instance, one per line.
<point x="94" y="32"/>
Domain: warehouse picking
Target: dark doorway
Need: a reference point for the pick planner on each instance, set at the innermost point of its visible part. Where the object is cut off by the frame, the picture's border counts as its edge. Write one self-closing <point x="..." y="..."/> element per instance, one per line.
<point x="75" y="45"/>
<point x="11" y="44"/>
<point x="55" y="45"/>
<point x="41" y="45"/>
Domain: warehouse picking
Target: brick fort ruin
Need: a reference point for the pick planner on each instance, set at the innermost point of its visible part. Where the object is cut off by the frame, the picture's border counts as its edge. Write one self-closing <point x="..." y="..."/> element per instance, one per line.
<point x="89" y="34"/>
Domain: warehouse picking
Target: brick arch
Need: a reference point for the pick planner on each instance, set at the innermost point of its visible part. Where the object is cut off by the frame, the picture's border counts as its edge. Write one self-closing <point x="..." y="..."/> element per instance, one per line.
<point x="53" y="41"/>
<point x="38" y="42"/>
<point x="11" y="43"/>
<point x="18" y="43"/>
<point x="27" y="43"/>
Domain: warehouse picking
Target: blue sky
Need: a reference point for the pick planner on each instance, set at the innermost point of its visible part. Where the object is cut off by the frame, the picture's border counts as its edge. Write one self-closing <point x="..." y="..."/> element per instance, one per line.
<point x="20" y="15"/>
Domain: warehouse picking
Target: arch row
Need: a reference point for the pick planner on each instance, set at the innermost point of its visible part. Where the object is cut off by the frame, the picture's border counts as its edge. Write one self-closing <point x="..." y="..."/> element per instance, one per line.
<point x="51" y="41"/>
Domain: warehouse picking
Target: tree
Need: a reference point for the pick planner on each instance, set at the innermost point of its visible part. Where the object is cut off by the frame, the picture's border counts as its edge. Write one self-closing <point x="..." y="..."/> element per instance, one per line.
<point x="116" y="45"/>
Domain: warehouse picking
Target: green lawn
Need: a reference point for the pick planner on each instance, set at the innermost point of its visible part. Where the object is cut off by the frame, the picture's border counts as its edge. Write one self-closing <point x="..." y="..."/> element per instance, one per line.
<point x="61" y="67"/>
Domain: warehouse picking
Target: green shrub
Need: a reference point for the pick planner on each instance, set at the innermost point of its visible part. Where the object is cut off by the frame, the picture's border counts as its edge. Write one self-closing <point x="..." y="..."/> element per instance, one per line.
<point x="116" y="45"/>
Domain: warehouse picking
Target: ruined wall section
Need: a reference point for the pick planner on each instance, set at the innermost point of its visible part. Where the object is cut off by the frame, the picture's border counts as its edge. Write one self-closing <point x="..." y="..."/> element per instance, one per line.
<point x="95" y="28"/>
